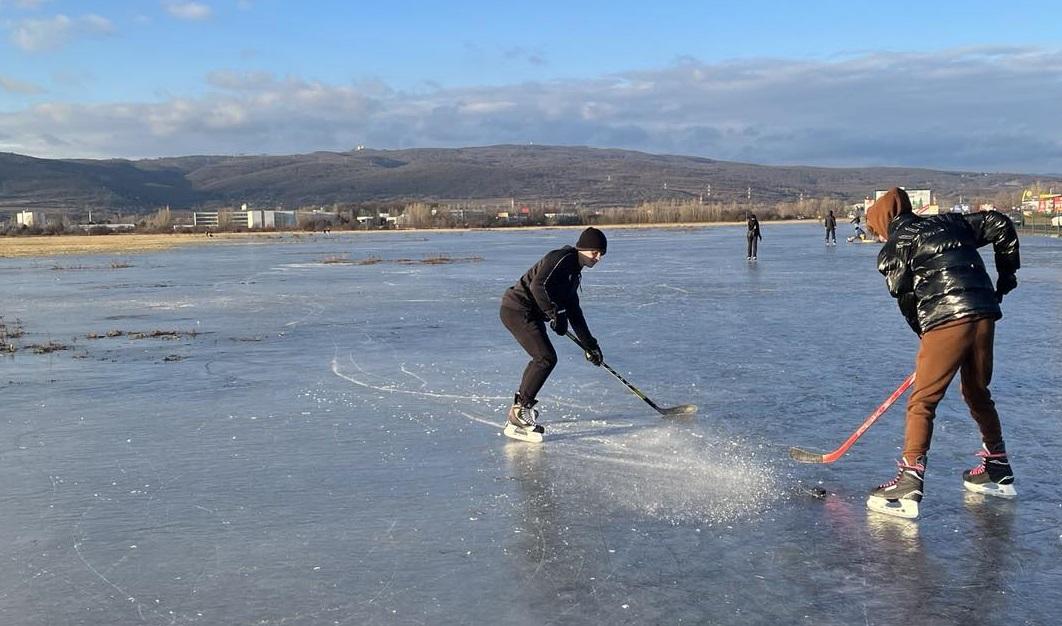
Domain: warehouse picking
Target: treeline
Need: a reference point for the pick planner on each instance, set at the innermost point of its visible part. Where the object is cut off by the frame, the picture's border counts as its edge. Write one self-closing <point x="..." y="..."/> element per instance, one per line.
<point x="442" y="215"/>
<point x="666" y="212"/>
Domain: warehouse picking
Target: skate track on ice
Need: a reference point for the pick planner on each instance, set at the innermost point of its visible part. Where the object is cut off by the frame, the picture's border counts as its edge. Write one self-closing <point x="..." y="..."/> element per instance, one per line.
<point x="666" y="470"/>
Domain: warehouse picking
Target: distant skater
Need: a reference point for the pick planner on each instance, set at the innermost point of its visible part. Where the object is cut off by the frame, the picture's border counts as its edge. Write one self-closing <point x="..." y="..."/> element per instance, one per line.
<point x="753" y="236"/>
<point x="932" y="268"/>
<point x="831" y="229"/>
<point x="858" y="234"/>
<point x="549" y="291"/>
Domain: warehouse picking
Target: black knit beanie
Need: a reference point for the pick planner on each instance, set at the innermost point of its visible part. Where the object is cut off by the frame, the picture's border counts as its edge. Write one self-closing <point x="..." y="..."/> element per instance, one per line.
<point x="592" y="239"/>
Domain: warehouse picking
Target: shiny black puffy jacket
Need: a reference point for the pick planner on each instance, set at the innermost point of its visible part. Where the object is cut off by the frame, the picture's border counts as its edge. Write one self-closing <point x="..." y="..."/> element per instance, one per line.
<point x="932" y="267"/>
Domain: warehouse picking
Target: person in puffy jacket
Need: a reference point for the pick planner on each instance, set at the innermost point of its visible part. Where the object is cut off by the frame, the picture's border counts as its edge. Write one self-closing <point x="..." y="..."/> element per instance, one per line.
<point x="933" y="269"/>
<point x="548" y="292"/>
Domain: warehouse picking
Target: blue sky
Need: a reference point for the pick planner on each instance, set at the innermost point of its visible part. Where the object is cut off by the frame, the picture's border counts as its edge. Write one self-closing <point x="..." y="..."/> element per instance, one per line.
<point x="951" y="85"/>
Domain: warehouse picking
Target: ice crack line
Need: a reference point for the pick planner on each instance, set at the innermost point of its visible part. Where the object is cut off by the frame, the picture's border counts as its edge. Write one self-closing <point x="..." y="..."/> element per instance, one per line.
<point x="431" y="394"/>
<point x="428" y="394"/>
<point x="77" y="548"/>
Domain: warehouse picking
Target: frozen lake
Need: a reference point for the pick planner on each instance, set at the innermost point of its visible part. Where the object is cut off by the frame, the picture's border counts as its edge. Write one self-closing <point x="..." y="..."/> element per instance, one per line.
<point x="321" y="442"/>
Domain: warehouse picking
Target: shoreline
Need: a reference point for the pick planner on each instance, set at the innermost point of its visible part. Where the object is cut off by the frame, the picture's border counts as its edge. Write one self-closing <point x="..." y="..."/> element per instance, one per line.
<point x="118" y="244"/>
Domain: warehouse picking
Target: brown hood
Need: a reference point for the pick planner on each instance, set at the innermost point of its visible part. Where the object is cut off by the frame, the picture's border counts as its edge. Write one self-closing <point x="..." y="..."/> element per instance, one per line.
<point x="886" y="208"/>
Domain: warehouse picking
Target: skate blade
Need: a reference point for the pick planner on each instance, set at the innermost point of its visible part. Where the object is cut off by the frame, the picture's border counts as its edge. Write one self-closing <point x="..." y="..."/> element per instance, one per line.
<point x="907" y="509"/>
<point x="991" y="489"/>
<point x="522" y="434"/>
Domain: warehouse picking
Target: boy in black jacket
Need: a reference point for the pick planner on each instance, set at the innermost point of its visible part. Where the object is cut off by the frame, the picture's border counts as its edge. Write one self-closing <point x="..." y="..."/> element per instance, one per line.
<point x="932" y="267"/>
<point x="548" y="292"/>
<point x="831" y="228"/>
<point x="753" y="237"/>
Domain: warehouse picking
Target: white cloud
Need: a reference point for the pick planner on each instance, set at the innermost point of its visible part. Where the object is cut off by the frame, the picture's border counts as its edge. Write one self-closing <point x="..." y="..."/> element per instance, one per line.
<point x="12" y="85"/>
<point x="985" y="109"/>
<point x="36" y="35"/>
<point x="24" y="4"/>
<point x="192" y="11"/>
<point x="237" y="81"/>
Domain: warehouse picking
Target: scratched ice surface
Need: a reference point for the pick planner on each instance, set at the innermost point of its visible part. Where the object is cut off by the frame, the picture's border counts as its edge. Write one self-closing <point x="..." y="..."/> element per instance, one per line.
<point x="326" y="447"/>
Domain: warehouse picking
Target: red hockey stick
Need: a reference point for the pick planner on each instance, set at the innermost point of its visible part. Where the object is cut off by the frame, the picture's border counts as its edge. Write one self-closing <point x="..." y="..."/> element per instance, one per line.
<point x="803" y="456"/>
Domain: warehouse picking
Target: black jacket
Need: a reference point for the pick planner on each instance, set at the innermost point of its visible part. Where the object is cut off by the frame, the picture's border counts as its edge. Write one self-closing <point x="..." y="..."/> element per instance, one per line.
<point x="550" y="286"/>
<point x="932" y="267"/>
<point x="831" y="222"/>
<point x="754" y="228"/>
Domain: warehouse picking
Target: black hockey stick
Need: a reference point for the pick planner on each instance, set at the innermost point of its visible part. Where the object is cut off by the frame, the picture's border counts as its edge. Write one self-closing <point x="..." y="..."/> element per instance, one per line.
<point x="666" y="411"/>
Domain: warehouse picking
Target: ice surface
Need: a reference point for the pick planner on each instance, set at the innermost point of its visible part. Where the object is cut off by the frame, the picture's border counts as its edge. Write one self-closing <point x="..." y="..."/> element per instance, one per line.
<point x="322" y="444"/>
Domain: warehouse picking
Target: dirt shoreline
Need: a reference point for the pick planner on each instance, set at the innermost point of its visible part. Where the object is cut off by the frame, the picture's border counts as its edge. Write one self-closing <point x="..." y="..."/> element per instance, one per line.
<point x="134" y="243"/>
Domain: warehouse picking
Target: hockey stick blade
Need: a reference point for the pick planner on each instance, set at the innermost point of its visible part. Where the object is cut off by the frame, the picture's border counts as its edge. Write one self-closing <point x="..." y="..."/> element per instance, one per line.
<point x="674" y="411"/>
<point x="803" y="456"/>
<point x="678" y="411"/>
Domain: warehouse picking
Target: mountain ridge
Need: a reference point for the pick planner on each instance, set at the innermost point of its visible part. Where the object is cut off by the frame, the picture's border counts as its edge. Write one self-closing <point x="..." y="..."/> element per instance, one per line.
<point x="589" y="177"/>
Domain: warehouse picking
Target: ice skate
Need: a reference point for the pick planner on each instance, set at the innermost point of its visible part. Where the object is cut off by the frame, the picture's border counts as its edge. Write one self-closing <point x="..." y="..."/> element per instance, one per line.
<point x="522" y="423"/>
<point x="993" y="477"/>
<point x="900" y="496"/>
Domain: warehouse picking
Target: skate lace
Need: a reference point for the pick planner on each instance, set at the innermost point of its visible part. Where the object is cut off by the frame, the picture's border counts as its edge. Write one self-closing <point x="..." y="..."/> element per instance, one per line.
<point x="529" y="415"/>
<point x="899" y="474"/>
<point x="985" y="456"/>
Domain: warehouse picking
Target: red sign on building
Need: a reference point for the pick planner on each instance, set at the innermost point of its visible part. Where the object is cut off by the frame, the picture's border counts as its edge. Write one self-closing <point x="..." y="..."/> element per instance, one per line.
<point x="1051" y="204"/>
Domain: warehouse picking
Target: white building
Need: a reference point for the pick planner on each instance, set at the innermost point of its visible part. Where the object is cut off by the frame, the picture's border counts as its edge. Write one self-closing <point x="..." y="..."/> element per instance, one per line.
<point x="30" y="218"/>
<point x="919" y="197"/>
<point x="260" y="218"/>
<point x="205" y="218"/>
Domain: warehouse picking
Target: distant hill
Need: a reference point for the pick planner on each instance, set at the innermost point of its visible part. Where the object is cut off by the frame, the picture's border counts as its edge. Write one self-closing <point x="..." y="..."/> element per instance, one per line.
<point x="588" y="176"/>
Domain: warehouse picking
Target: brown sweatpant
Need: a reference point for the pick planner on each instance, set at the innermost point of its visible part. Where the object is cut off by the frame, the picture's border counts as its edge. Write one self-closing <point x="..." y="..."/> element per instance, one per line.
<point x="964" y="346"/>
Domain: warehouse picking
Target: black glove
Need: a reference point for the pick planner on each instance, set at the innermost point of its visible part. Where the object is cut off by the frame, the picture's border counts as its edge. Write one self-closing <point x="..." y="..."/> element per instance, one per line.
<point x="559" y="322"/>
<point x="593" y="353"/>
<point x="1005" y="284"/>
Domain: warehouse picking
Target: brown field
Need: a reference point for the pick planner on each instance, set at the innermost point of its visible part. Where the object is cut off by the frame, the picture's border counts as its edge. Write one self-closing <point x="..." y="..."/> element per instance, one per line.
<point x="117" y="244"/>
<point x="125" y="243"/>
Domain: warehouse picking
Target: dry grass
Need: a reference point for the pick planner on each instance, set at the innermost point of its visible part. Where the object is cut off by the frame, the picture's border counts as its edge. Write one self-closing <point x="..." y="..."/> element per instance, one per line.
<point x="440" y="259"/>
<point x="48" y="348"/>
<point x="126" y="243"/>
<point x="10" y="331"/>
<point x="109" y="333"/>
<point x="7" y="333"/>
<point x="117" y="265"/>
<point x="145" y="334"/>
<point x="162" y="334"/>
<point x="110" y="244"/>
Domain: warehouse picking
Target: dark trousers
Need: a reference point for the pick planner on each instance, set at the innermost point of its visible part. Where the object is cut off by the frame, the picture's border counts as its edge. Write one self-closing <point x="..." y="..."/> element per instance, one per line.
<point x="965" y="347"/>
<point x="831" y="232"/>
<point x="753" y="242"/>
<point x="533" y="338"/>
